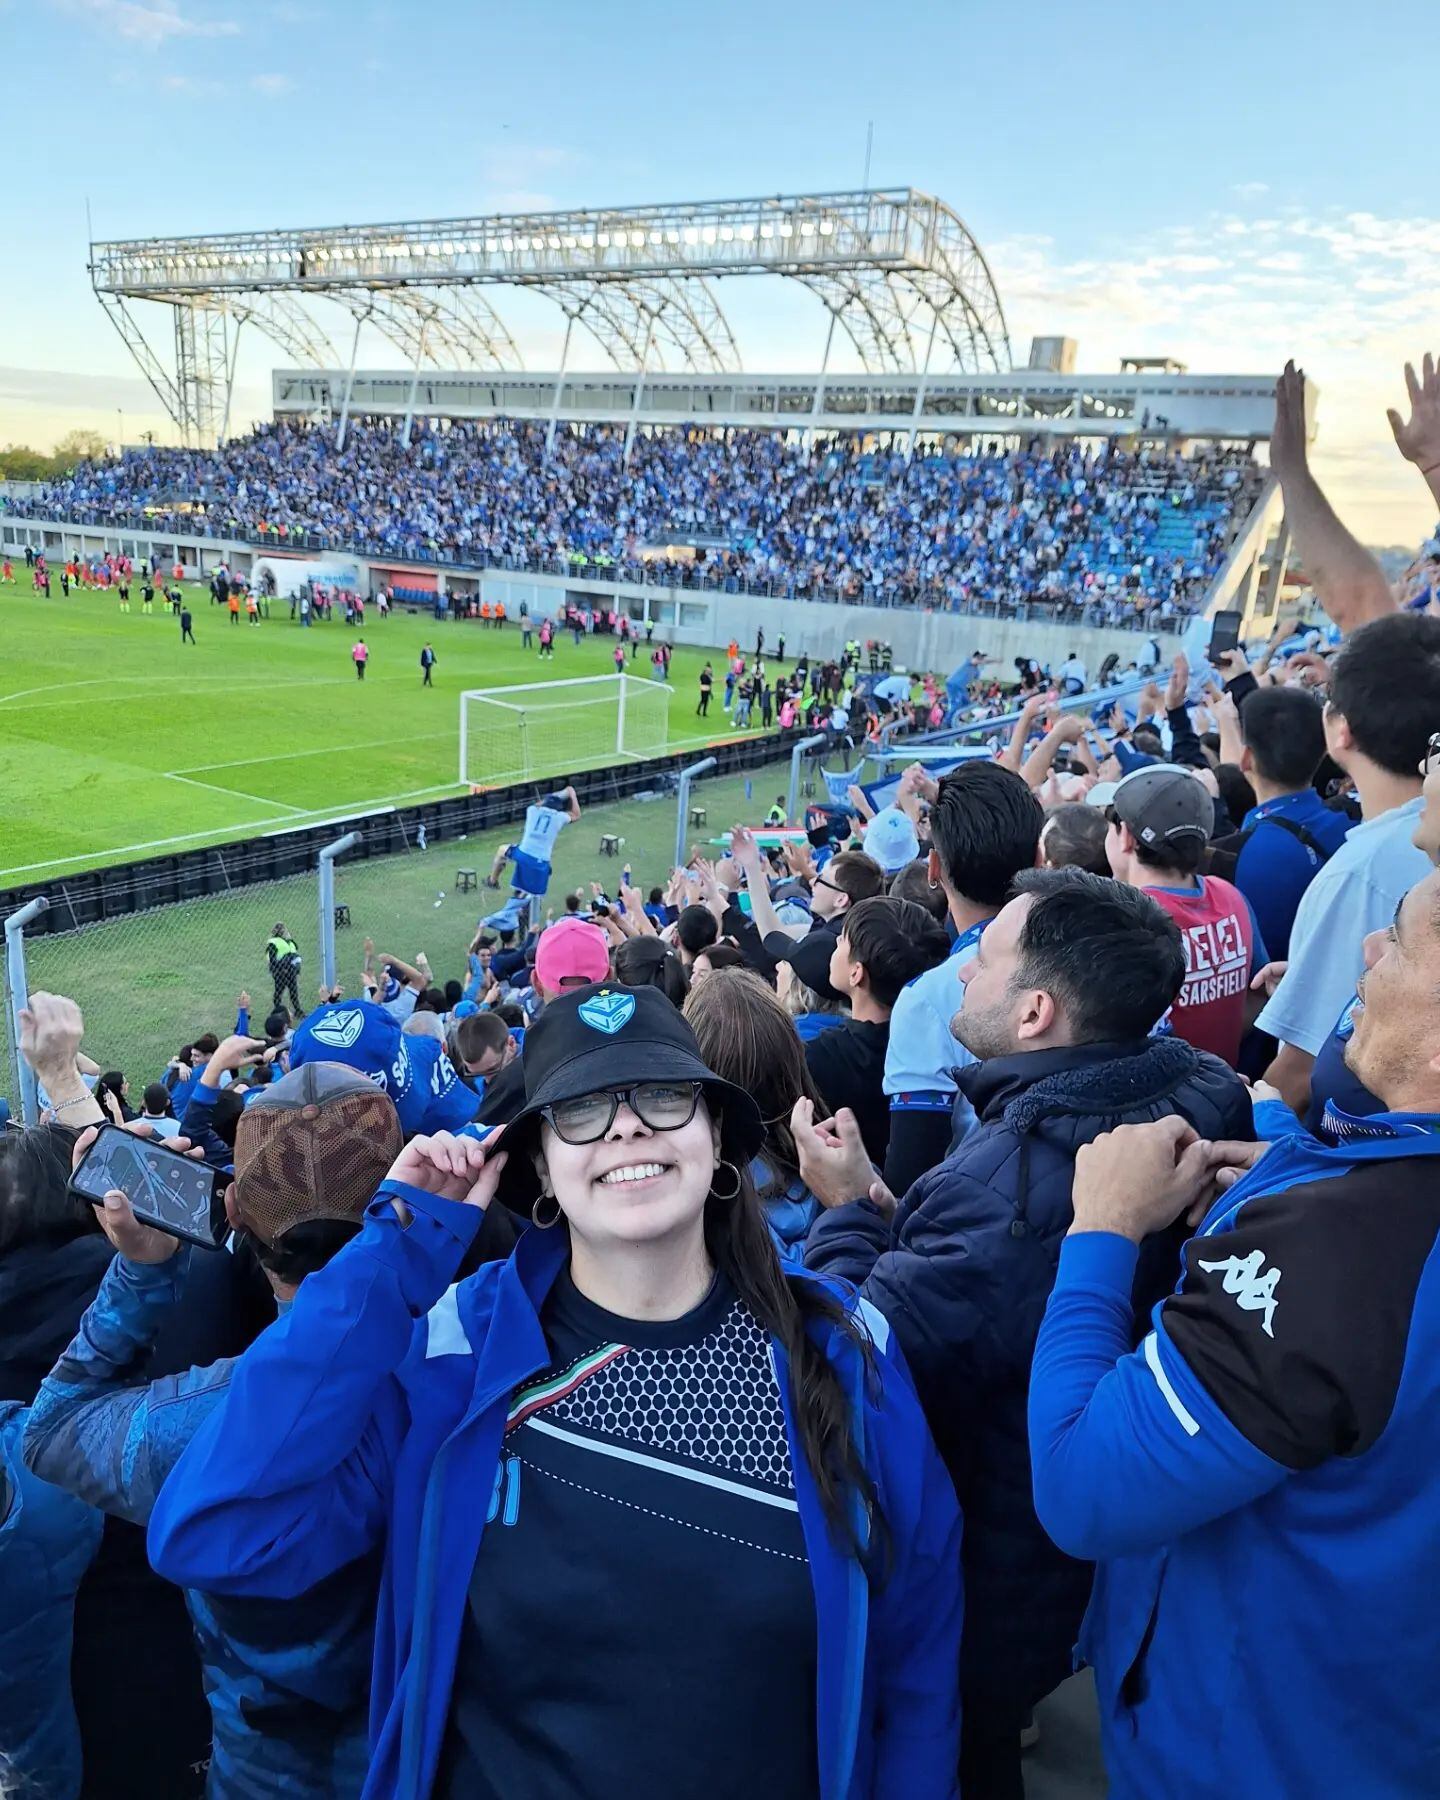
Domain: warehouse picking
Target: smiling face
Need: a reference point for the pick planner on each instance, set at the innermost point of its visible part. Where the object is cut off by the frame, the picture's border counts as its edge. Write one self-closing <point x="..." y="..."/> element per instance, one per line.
<point x="1394" y="1048"/>
<point x="634" y="1185"/>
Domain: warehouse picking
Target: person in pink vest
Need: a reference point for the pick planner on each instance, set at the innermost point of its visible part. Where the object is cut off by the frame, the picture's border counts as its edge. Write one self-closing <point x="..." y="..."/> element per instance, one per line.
<point x="360" y="655"/>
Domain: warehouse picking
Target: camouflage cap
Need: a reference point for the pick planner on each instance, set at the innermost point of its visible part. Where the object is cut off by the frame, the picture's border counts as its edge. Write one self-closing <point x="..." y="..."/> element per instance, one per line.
<point x="314" y="1145"/>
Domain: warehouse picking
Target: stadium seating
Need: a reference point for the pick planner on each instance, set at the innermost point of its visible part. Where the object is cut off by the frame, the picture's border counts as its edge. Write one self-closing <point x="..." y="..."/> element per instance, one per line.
<point x="1058" y="525"/>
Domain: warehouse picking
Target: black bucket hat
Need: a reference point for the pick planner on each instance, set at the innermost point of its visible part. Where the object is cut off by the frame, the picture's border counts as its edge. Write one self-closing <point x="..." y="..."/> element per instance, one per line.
<point x="809" y="957"/>
<point x="607" y="1036"/>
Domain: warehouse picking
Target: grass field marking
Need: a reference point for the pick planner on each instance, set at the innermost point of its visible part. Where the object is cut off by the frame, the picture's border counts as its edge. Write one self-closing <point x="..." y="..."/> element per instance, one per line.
<point x="425" y="737"/>
<point x="161" y="681"/>
<point x="237" y="794"/>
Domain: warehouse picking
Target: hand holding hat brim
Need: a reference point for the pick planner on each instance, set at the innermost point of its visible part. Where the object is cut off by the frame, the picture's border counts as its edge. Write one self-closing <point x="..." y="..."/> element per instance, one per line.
<point x="453" y="1168"/>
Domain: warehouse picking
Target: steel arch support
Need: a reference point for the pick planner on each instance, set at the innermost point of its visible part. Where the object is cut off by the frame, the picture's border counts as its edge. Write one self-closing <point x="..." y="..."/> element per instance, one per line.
<point x="689" y="316"/>
<point x="869" y="309"/>
<point x="609" y="312"/>
<point x="474" y="325"/>
<point x="285" y="322"/>
<point x="953" y="258"/>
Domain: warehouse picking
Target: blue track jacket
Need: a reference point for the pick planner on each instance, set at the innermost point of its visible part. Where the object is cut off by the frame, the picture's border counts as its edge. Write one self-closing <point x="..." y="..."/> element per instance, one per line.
<point x="373" y="1414"/>
<point x="1258" y="1482"/>
<point x="286" y="1686"/>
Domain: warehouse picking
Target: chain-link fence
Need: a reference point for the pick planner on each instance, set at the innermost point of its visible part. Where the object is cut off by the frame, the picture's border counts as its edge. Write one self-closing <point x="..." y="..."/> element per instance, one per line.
<point x="151" y="978"/>
<point x="153" y="969"/>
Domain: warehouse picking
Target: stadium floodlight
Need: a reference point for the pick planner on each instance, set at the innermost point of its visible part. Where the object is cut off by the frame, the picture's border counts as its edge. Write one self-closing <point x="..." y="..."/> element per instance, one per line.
<point x="541" y="730"/>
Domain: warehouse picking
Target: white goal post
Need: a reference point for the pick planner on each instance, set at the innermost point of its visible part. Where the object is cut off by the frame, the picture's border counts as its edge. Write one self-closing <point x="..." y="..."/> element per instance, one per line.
<point x="543" y="728"/>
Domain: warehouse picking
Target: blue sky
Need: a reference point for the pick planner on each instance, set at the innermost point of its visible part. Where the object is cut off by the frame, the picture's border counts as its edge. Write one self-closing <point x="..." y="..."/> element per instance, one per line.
<point x="1228" y="184"/>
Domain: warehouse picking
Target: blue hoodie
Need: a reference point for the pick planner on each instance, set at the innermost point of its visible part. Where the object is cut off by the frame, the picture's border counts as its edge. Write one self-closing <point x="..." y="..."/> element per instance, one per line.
<point x="1258" y="1481"/>
<point x="374" y="1414"/>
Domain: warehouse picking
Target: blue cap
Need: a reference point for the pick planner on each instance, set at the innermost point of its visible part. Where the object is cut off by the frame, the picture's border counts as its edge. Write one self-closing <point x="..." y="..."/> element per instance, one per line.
<point x="1131" y="759"/>
<point x="891" y="840"/>
<point x="414" y="1071"/>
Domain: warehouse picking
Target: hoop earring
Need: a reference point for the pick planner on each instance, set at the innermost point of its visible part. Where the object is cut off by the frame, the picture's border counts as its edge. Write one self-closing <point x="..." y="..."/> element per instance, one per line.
<point x="537" y="1221"/>
<point x="734" y="1192"/>
<point x="932" y="885"/>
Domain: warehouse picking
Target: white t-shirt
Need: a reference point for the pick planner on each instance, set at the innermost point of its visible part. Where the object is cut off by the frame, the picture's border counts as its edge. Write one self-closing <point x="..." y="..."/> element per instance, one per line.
<point x="923" y="1055"/>
<point x="543" y="824"/>
<point x="1073" y="670"/>
<point x="1355" y="893"/>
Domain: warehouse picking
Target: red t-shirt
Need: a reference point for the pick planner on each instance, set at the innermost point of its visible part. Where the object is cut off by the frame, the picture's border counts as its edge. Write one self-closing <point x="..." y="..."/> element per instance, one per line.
<point x="1217" y="929"/>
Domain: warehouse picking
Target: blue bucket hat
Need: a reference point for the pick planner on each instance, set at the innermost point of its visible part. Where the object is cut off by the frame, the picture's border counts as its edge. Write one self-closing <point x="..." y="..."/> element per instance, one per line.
<point x="414" y="1071"/>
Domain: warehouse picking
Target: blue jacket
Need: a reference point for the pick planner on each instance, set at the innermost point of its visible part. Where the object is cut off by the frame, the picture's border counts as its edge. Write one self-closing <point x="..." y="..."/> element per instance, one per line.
<point x="287" y="1690"/>
<point x="963" y="1274"/>
<point x="1260" y="1481"/>
<point x="374" y="1413"/>
<point x="47" y="1542"/>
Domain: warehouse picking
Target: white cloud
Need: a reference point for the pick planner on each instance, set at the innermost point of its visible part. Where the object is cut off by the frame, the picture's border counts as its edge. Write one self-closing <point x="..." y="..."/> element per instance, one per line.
<point x="272" y="85"/>
<point x="1250" y="190"/>
<point x="513" y="175"/>
<point x="148" y="22"/>
<point x="1349" y="295"/>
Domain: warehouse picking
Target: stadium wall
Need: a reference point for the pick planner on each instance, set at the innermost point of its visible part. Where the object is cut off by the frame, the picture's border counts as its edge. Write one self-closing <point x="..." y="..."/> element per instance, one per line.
<point x="921" y="639"/>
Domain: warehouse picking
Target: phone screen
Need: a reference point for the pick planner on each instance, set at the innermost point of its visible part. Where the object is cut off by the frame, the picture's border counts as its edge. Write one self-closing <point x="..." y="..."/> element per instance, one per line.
<point x="164" y="1188"/>
<point x="1224" y="633"/>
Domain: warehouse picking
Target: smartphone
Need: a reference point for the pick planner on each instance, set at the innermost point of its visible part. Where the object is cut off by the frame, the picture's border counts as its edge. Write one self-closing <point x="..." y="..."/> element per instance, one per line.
<point x="1224" y="633"/>
<point x="165" y="1189"/>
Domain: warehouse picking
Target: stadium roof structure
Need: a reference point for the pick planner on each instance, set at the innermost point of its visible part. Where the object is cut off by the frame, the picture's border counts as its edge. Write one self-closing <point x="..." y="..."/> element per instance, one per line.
<point x="898" y="270"/>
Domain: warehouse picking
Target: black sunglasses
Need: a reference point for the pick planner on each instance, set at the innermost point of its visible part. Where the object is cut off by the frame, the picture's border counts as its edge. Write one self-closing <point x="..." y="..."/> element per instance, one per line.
<point x="662" y="1105"/>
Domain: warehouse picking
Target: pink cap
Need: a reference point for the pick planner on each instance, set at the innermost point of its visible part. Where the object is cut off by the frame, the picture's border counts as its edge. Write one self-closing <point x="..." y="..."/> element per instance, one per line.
<point x="571" y="952"/>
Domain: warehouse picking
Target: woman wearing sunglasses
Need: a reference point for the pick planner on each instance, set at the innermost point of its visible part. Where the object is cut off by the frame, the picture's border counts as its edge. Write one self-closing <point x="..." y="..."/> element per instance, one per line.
<point x="657" y="1513"/>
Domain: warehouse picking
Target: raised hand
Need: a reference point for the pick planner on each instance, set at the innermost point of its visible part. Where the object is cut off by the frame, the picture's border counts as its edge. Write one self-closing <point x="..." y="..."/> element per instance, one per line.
<point x="1418" y="437"/>
<point x="834" y="1164"/>
<point x="51" y="1028"/>
<point x="1288" y="453"/>
<point x="454" y="1168"/>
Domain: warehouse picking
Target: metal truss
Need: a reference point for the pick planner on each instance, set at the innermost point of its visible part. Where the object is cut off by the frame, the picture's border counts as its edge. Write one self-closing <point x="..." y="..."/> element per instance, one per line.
<point x="636" y="277"/>
<point x="447" y="328"/>
<point x="635" y="322"/>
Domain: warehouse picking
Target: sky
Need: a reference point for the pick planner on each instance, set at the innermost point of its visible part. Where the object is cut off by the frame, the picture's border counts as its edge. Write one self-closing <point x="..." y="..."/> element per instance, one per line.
<point x="1229" y="184"/>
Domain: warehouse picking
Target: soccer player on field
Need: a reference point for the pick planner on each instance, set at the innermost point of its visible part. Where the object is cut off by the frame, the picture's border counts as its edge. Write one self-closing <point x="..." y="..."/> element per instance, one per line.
<point x="532" y="856"/>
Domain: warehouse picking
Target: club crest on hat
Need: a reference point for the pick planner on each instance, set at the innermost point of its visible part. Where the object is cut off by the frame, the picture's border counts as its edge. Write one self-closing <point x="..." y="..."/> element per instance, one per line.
<point x="608" y="1012"/>
<point x="341" y="1029"/>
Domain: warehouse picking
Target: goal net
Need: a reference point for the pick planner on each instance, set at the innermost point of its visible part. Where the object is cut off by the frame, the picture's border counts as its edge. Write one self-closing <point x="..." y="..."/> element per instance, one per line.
<point x="544" y="728"/>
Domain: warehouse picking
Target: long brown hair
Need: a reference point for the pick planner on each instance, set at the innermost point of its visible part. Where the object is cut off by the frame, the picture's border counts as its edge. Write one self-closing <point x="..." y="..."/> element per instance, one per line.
<point x="740" y="1244"/>
<point x="746" y="1036"/>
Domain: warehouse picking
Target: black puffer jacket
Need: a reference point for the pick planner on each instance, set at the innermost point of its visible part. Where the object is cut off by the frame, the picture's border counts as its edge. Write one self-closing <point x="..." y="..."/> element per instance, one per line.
<point x="963" y="1273"/>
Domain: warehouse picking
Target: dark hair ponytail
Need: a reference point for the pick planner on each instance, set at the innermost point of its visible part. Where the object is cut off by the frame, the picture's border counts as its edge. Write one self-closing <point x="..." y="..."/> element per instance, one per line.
<point x="740" y="1244"/>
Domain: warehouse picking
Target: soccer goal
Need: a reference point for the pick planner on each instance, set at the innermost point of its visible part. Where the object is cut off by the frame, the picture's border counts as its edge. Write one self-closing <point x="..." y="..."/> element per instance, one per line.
<point x="544" y="728"/>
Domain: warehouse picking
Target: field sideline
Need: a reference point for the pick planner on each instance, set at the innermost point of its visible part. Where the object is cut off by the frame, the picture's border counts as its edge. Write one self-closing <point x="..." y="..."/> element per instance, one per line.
<point x="117" y="741"/>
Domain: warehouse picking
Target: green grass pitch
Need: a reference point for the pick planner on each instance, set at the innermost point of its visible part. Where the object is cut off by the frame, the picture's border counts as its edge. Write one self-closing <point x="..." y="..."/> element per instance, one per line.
<point x="118" y="741"/>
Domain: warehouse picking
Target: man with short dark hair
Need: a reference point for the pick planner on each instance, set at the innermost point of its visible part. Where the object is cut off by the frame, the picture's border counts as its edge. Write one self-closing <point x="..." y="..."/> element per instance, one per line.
<point x="1160" y="820"/>
<point x="1290" y="833"/>
<point x="482" y="1045"/>
<point x="985" y="826"/>
<point x="1384" y="704"/>
<point x="1057" y="1004"/>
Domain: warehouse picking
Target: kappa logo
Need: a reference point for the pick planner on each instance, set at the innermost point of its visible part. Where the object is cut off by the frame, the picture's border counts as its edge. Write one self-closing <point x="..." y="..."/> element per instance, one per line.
<point x="1253" y="1291"/>
<point x="608" y="1012"/>
<point x="341" y="1030"/>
